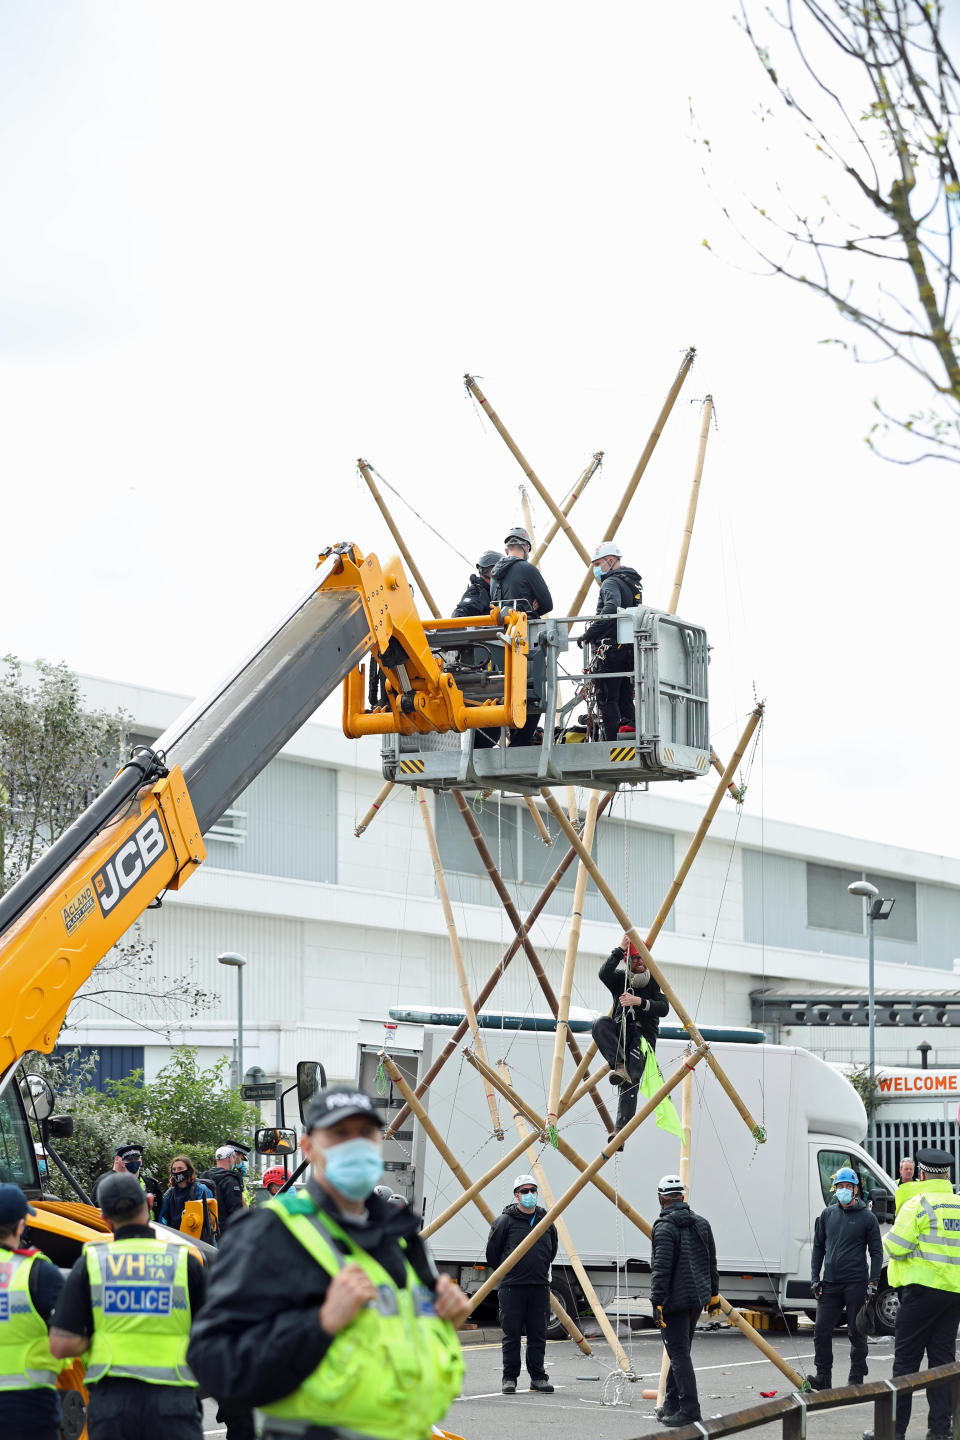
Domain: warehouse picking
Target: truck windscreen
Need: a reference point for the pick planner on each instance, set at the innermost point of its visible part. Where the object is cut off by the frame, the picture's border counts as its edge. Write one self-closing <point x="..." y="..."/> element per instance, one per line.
<point x="17" y="1162"/>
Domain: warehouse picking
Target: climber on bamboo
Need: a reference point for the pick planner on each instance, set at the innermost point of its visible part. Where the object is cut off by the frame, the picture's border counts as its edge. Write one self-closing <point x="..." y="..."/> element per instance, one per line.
<point x="627" y="1036"/>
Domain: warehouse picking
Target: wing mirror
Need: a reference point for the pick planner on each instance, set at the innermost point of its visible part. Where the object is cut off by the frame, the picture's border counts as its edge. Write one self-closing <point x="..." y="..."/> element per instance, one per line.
<point x="37" y="1094"/>
<point x="275" y="1142"/>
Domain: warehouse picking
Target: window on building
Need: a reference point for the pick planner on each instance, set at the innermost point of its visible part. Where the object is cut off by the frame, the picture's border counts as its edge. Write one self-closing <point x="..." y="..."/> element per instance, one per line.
<point x="284" y="823"/>
<point x="499" y="824"/>
<point x="831" y="907"/>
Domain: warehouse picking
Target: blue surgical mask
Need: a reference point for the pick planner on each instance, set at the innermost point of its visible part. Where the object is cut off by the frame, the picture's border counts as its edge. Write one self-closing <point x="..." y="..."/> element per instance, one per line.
<point x="528" y="1201"/>
<point x="242" y="1168"/>
<point x="597" y="572"/>
<point x="354" y="1167"/>
<point x="42" y="1166"/>
<point x="844" y="1195"/>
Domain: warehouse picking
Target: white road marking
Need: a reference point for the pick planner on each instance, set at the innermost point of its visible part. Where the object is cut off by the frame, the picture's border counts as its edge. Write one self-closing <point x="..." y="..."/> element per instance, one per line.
<point x="498" y="1394"/>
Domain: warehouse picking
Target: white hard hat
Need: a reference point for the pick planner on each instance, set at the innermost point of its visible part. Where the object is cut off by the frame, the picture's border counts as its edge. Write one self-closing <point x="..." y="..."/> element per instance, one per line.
<point x="524" y="1180"/>
<point x="670" y="1184"/>
<point x="607" y="548"/>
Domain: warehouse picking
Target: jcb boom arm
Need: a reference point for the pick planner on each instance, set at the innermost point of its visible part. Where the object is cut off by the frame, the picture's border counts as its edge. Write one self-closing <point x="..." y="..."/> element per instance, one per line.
<point x="143" y="835"/>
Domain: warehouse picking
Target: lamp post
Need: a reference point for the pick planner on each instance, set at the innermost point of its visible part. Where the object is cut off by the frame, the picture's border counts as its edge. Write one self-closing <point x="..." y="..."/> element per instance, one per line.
<point x="237" y="962"/>
<point x="877" y="909"/>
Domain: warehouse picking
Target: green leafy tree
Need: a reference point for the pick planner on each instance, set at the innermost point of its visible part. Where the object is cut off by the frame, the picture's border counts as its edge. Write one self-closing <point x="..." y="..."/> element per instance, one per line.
<point x="868" y="1089"/>
<point x="869" y="90"/>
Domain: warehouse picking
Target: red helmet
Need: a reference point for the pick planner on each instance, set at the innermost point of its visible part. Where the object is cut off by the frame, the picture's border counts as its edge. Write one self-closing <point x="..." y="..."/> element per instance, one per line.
<point x="273" y="1176"/>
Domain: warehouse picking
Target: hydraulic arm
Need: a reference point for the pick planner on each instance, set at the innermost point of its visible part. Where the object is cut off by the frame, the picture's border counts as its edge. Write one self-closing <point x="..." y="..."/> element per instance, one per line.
<point x="143" y="835"/>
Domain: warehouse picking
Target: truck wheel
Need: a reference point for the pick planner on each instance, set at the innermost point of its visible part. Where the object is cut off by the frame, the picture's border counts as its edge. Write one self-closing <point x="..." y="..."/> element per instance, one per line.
<point x="564" y="1295"/>
<point x="885" y="1308"/>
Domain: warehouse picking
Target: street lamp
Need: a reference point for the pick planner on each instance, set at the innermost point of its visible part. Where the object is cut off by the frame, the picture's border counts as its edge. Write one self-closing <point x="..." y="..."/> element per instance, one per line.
<point x="877" y="909"/>
<point x="229" y="957"/>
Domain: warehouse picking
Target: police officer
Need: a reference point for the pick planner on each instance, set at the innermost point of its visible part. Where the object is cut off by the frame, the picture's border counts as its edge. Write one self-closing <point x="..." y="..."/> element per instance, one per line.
<point x="624" y="1037"/>
<point x="843" y="1236"/>
<point x="325" y="1309"/>
<point x="514" y="581"/>
<point x="620" y="588"/>
<point x="475" y="600"/>
<point x="29" y="1408"/>
<point x="126" y="1308"/>
<point x="225" y="1180"/>
<point x="129" y="1158"/>
<point x="923" y="1250"/>
<point x="524" y="1293"/>
<point x="683" y="1279"/>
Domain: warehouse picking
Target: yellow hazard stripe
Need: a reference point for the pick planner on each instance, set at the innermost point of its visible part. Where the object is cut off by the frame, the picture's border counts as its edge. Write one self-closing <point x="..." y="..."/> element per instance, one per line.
<point x="624" y="752"/>
<point x="411" y="767"/>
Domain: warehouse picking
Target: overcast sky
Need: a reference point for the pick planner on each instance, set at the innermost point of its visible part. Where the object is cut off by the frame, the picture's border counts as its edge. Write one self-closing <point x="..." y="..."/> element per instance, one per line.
<point x="244" y="245"/>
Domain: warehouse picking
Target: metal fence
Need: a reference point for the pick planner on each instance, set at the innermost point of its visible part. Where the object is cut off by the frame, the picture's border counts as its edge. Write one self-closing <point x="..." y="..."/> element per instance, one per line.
<point x="792" y="1410"/>
<point x="899" y="1138"/>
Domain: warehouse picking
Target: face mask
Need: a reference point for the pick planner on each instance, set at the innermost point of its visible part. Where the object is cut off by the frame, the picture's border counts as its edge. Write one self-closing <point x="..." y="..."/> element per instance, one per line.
<point x="844" y="1196"/>
<point x="132" y="1165"/>
<point x="180" y="1179"/>
<point x="528" y="1201"/>
<point x="42" y="1167"/>
<point x="242" y="1168"/>
<point x="354" y="1167"/>
<point x="597" y="572"/>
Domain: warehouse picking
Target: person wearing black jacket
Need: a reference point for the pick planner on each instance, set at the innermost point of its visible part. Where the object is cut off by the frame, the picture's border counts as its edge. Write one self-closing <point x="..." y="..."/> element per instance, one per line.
<point x="620" y="589"/>
<point x="524" y="1292"/>
<point x="274" y="1312"/>
<point x="638" y="1008"/>
<point x="843" y="1235"/>
<point x="30" y="1411"/>
<point x="683" y="1280"/>
<point x="226" y="1184"/>
<point x="475" y="600"/>
<point x="515" y="582"/>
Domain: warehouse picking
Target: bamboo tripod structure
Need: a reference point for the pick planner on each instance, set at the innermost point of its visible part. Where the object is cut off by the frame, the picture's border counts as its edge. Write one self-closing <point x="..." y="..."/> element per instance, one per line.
<point x="567" y="506"/>
<point x="364" y="468"/>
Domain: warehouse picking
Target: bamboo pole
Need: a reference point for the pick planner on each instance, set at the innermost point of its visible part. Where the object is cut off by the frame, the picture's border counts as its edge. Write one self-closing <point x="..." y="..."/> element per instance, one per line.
<point x="527" y="514"/>
<point x="588" y="1084"/>
<point x="537" y="819"/>
<point x="736" y="791"/>
<point x="477" y="1188"/>
<point x="487" y="990"/>
<point x="447" y="908"/>
<point x="686" y="1106"/>
<point x="637" y="476"/>
<point x="626" y="1209"/>
<point x="382" y="795"/>
<point x="447" y="1155"/>
<point x="567" y="506"/>
<point x="669" y="994"/>
<point x="693" y="850"/>
<point x="569" y="964"/>
<point x="563" y="1235"/>
<point x="571" y="1193"/>
<point x="691" y="506"/>
<point x="572" y="808"/>
<point x="527" y="468"/>
<point x="537" y="1121"/>
<point x="514" y="918"/>
<point x="364" y="469"/>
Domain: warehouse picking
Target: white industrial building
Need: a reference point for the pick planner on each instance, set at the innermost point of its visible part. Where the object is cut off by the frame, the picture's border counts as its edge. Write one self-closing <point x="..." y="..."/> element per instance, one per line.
<point x="336" y="929"/>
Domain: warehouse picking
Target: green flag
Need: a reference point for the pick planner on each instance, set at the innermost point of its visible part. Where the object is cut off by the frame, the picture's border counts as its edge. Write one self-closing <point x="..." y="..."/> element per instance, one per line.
<point x="650" y="1082"/>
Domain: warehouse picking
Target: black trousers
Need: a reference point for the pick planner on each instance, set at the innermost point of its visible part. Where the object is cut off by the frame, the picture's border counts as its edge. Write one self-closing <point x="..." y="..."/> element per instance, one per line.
<point x="134" y="1410"/>
<point x="615" y="697"/>
<point x="680" y="1393"/>
<point x="927" y="1320"/>
<point x="829" y="1307"/>
<point x="238" y="1420"/>
<point x="619" y="1044"/>
<point x="524" y="1308"/>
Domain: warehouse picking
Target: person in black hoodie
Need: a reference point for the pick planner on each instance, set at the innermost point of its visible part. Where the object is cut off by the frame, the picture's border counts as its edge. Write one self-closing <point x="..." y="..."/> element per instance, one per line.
<point x="524" y="1293"/>
<point x="515" y="582"/>
<point x="620" y="589"/>
<point x="638" y="1008"/>
<point x="842" y="1237"/>
<point x="683" y="1280"/>
<point x="475" y="600"/>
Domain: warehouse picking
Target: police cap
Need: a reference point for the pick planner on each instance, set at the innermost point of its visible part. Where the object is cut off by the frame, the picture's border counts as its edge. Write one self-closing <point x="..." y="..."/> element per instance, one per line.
<point x="340" y="1102"/>
<point x="13" y="1206"/>
<point x="935" y="1162"/>
<point x="130" y="1152"/>
<point x="120" y="1196"/>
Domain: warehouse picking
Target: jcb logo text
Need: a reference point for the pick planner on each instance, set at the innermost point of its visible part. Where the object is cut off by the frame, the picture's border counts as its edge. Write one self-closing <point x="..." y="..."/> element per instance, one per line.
<point x="126" y="865"/>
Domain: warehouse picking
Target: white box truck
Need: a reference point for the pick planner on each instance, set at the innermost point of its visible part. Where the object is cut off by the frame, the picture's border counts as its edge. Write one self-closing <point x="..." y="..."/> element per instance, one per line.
<point x="762" y="1200"/>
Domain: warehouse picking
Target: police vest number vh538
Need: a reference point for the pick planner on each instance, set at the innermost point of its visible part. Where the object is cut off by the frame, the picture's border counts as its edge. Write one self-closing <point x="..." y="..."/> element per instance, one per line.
<point x="127" y="864"/>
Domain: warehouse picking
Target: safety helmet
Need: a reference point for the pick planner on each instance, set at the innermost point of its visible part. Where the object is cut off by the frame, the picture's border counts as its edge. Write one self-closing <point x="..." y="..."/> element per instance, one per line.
<point x="845" y="1176"/>
<point x="518" y="536"/>
<point x="384" y="1191"/>
<point x="397" y="1200"/>
<point x="273" y="1176"/>
<point x="524" y="1180"/>
<point x="671" y="1185"/>
<point x="605" y="549"/>
<point x="488" y="559"/>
